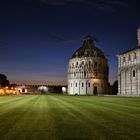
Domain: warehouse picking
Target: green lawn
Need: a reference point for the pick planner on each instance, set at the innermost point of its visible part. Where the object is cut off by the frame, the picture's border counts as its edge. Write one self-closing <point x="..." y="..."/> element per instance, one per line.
<point x="58" y="117"/>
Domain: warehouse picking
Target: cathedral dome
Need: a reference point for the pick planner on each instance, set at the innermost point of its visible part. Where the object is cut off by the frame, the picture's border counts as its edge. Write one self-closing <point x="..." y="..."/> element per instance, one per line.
<point x="88" y="49"/>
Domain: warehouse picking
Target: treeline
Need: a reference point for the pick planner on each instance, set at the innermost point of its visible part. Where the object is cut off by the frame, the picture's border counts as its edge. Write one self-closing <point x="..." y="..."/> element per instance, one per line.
<point x="3" y="81"/>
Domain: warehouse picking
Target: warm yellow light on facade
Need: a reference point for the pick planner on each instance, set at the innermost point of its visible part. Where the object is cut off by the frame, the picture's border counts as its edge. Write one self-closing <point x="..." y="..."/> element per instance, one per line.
<point x="5" y="91"/>
<point x="96" y="81"/>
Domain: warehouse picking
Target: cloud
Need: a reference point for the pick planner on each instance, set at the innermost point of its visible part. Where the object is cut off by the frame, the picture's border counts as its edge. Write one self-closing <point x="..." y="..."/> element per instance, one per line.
<point x="54" y="2"/>
<point x="56" y="39"/>
<point x="118" y="3"/>
<point x="103" y="5"/>
<point x="59" y="39"/>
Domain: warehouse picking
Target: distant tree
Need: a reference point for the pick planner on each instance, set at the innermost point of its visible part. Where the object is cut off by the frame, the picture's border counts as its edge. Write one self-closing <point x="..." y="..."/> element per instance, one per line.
<point x="115" y="87"/>
<point x="12" y="85"/>
<point x="3" y="81"/>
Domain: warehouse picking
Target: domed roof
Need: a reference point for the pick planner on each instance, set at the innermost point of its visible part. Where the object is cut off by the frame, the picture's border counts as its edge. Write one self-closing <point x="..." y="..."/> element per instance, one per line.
<point x="88" y="49"/>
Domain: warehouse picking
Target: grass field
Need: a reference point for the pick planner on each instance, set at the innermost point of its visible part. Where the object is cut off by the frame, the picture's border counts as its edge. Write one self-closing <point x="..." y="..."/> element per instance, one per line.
<point x="58" y="117"/>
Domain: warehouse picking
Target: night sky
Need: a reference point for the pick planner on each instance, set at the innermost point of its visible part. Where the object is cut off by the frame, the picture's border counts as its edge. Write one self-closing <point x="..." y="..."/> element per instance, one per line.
<point x="37" y="37"/>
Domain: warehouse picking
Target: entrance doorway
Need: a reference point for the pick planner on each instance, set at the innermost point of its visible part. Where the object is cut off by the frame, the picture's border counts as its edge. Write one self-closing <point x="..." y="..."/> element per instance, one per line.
<point x="95" y="90"/>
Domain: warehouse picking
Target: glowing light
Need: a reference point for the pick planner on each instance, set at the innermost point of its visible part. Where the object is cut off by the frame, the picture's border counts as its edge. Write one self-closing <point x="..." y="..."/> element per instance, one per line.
<point x="43" y="89"/>
<point x="6" y="91"/>
<point x="64" y="89"/>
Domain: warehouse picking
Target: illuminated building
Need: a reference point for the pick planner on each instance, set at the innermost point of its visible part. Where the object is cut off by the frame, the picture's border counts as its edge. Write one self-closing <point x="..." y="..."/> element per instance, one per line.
<point x="8" y="91"/>
<point x="87" y="72"/>
<point x="129" y="70"/>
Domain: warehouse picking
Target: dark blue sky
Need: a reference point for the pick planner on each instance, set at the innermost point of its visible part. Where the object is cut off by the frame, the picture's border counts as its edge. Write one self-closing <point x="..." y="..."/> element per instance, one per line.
<point x="37" y="37"/>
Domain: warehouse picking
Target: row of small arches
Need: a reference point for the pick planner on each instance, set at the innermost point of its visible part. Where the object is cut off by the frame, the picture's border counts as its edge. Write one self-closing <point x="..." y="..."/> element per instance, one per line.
<point x="133" y="73"/>
<point x="82" y="84"/>
<point x="85" y="74"/>
<point x="129" y="57"/>
<point x="82" y="64"/>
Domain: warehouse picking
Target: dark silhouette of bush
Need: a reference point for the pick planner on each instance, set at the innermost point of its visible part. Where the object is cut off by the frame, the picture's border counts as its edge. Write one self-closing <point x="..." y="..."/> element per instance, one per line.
<point x="3" y="81"/>
<point x="115" y="87"/>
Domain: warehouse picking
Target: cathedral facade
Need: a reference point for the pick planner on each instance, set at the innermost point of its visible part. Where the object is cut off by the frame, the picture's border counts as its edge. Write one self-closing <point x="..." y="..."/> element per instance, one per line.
<point x="88" y="70"/>
<point x="129" y="71"/>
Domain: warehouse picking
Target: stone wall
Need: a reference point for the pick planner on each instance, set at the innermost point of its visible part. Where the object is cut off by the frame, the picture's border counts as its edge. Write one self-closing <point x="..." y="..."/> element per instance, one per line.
<point x="87" y="76"/>
<point x="129" y="73"/>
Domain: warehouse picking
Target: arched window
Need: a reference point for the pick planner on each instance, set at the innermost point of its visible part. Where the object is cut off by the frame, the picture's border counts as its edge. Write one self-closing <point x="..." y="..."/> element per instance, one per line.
<point x="123" y="59"/>
<point x="75" y="84"/>
<point x="134" y="74"/>
<point x="72" y="64"/>
<point x="95" y="65"/>
<point x="84" y="74"/>
<point x="82" y="84"/>
<point x="129" y="57"/>
<point x="88" y="84"/>
<point x="71" y="84"/>
<point x="135" y="56"/>
<point x="89" y="62"/>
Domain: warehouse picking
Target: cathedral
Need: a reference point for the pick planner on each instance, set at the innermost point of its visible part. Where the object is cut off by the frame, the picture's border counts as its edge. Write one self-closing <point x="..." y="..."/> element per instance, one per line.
<point x="87" y="72"/>
<point x="129" y="71"/>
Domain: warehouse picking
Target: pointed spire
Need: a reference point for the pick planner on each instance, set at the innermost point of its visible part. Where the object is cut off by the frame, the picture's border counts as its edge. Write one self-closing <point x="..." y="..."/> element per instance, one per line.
<point x="138" y="35"/>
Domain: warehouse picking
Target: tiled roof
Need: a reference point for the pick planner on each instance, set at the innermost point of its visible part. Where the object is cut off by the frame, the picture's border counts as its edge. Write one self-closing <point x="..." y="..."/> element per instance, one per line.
<point x="37" y="83"/>
<point x="136" y="48"/>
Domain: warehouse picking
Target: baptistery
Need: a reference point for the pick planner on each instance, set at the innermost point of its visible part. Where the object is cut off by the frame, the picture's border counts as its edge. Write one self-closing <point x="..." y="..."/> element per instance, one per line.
<point x="87" y="72"/>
